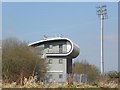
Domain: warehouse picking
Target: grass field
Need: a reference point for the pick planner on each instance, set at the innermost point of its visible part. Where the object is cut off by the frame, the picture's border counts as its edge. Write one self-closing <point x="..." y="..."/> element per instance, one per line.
<point x="56" y="85"/>
<point x="31" y="83"/>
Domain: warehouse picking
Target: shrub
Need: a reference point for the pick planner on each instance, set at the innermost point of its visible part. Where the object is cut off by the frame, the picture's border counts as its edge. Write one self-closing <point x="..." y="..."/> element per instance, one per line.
<point x="19" y="60"/>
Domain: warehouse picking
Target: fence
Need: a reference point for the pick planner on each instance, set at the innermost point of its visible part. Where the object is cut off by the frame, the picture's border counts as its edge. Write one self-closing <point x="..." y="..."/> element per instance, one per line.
<point x="61" y="78"/>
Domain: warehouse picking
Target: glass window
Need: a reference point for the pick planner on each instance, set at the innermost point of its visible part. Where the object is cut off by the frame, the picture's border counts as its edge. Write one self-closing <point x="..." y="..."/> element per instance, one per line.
<point x="49" y="61"/>
<point x="50" y="75"/>
<point x="60" y="61"/>
<point x="60" y="48"/>
<point x="60" y="76"/>
<point x="46" y="46"/>
<point x="51" y="46"/>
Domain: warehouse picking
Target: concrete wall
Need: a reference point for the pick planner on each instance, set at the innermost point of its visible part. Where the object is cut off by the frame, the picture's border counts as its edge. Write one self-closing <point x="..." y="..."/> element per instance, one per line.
<point x="55" y="69"/>
<point x="56" y="77"/>
<point x="55" y="65"/>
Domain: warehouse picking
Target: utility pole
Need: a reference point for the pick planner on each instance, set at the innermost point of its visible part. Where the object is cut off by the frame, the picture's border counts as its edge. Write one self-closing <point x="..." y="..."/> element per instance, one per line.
<point x="102" y="14"/>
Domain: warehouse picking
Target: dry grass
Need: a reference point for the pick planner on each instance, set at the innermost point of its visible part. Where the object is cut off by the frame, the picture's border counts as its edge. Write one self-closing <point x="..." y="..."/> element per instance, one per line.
<point x="55" y="85"/>
<point x="30" y="83"/>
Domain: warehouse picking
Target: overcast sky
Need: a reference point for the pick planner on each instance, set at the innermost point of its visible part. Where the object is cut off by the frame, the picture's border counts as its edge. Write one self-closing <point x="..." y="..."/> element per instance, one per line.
<point x="77" y="21"/>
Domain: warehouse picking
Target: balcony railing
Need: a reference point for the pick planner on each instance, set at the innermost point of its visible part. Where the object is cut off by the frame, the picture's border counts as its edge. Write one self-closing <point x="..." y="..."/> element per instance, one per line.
<point x="55" y="52"/>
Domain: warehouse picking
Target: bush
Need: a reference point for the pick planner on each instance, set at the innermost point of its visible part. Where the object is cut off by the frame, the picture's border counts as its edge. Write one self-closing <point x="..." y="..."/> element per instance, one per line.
<point x="19" y="61"/>
<point x="85" y="68"/>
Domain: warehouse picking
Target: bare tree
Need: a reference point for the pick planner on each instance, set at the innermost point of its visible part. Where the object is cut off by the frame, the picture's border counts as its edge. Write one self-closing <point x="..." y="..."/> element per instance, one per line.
<point x="20" y="61"/>
<point x="84" y="67"/>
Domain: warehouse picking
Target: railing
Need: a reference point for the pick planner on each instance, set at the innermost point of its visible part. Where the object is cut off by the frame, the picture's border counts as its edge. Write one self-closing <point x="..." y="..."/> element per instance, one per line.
<point x="55" y="52"/>
<point x="79" y="78"/>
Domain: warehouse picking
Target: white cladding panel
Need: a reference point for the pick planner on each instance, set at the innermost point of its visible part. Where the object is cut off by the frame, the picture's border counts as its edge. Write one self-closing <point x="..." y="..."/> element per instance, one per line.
<point x="68" y="46"/>
<point x="55" y="66"/>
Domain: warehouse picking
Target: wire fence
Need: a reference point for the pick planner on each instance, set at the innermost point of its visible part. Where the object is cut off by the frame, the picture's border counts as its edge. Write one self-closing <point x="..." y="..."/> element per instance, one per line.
<point x="62" y="78"/>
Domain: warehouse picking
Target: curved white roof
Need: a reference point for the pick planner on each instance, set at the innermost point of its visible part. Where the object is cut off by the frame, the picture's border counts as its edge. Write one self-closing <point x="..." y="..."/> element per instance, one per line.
<point x="74" y="52"/>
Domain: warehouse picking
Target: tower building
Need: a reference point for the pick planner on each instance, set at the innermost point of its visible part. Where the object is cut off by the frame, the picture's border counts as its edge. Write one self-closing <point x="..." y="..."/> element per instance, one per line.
<point x="58" y="53"/>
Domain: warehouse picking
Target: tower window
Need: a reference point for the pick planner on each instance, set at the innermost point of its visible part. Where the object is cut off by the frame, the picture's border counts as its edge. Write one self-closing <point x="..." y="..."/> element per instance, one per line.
<point x="50" y="76"/>
<point x="49" y="61"/>
<point x="50" y="46"/>
<point x="60" y="48"/>
<point x="46" y="46"/>
<point x="60" y="61"/>
<point x="60" y="76"/>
